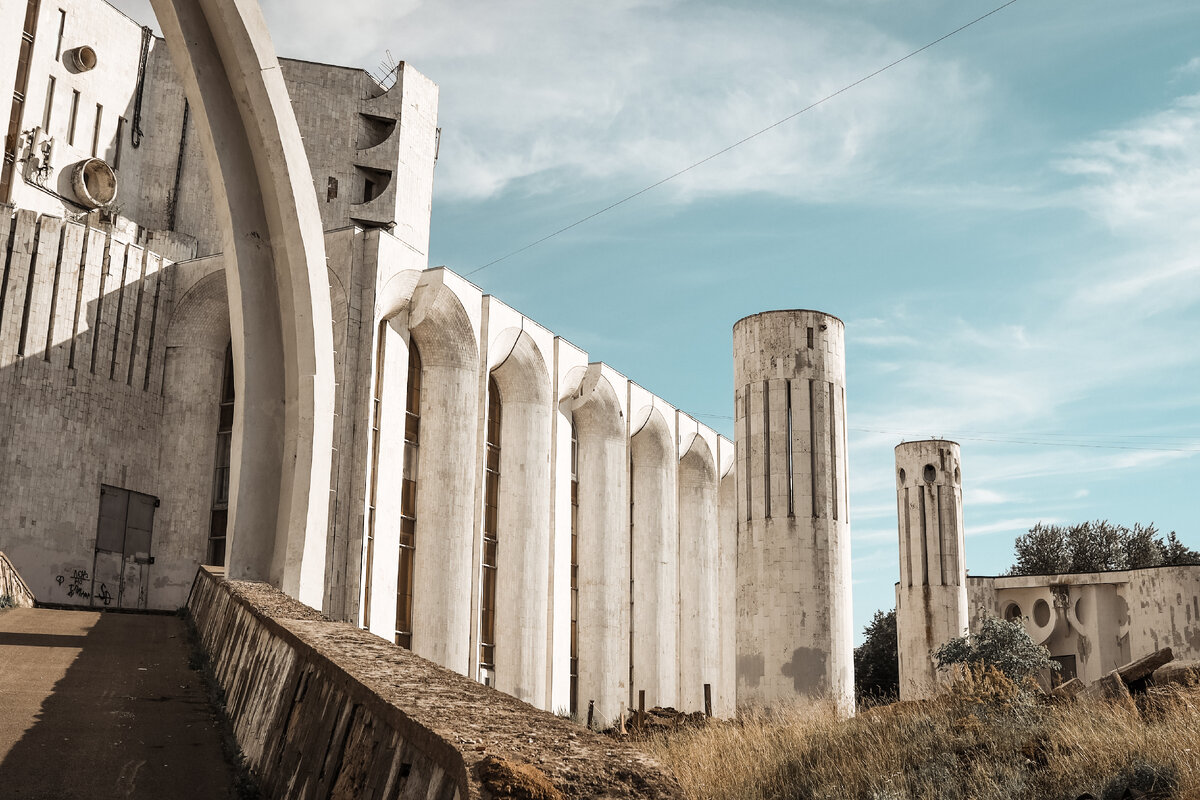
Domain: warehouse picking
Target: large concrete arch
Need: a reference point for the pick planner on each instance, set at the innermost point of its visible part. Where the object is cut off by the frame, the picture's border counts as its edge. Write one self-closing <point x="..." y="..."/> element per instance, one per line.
<point x="523" y="559"/>
<point x="699" y="623"/>
<point x="417" y="308"/>
<point x="279" y="300"/>
<point x="655" y="545"/>
<point x="603" y="549"/>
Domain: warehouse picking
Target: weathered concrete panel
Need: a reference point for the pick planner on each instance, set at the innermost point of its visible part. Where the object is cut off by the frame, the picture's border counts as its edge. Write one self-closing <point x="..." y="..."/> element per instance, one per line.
<point x="325" y="709"/>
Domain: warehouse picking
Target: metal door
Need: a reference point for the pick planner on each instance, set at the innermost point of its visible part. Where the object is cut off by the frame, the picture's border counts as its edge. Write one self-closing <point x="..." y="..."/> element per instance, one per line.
<point x="121" y="572"/>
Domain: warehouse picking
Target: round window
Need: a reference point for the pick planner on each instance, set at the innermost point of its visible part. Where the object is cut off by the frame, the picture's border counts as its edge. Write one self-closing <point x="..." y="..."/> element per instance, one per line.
<point x="930" y="473"/>
<point x="1041" y="613"/>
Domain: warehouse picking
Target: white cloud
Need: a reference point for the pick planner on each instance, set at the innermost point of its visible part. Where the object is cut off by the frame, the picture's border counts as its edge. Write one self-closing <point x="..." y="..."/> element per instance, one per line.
<point x="1015" y="526"/>
<point x="541" y="95"/>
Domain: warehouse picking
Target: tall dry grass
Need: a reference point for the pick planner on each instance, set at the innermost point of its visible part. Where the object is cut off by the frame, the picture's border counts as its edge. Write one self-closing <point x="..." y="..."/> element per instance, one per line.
<point x="984" y="739"/>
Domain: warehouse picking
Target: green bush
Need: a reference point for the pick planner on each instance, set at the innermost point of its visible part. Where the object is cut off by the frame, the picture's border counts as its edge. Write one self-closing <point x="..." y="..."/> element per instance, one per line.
<point x="1003" y="645"/>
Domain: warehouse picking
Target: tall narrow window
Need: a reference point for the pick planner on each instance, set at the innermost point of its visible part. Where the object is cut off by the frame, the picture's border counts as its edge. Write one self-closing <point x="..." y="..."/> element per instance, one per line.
<point x="96" y="130"/>
<point x="74" y="117"/>
<point x="408" y="500"/>
<point x="116" y="159"/>
<point x="47" y="112"/>
<point x="491" y="540"/>
<point x="17" y="110"/>
<point x="574" y="570"/>
<point x="373" y="494"/>
<point x="62" y="29"/>
<point x="219" y="519"/>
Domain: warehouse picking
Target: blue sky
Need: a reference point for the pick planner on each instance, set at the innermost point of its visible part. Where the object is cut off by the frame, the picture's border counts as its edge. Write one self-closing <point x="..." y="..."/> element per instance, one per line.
<point x="1007" y="223"/>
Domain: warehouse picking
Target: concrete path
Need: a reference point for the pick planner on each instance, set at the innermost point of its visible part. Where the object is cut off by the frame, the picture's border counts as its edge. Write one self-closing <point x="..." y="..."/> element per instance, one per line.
<point x="102" y="705"/>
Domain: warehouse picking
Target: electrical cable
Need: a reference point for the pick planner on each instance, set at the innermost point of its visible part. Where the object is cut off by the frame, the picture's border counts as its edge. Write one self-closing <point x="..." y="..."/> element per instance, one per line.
<point x="742" y="141"/>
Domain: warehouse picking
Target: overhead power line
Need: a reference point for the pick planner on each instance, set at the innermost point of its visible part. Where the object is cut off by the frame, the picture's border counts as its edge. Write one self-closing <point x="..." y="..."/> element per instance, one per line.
<point x="1103" y="441"/>
<point x="742" y="141"/>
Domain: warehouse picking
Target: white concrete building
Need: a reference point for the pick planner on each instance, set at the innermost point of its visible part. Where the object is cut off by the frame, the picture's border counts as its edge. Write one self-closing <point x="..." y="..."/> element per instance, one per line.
<point x="500" y="503"/>
<point x="1092" y="623"/>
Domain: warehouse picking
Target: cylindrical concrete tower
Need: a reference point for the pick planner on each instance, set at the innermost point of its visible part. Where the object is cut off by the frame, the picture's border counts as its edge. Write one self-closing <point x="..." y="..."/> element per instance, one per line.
<point x="931" y="598"/>
<point x="794" y="629"/>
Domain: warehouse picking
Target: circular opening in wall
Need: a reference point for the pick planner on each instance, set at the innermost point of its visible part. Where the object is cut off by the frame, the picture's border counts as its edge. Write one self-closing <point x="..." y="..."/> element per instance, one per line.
<point x="83" y="58"/>
<point x="1012" y="612"/>
<point x="957" y="477"/>
<point x="930" y="473"/>
<point x="1041" y="613"/>
<point x="902" y="475"/>
<point x="94" y="182"/>
<point x="1079" y="611"/>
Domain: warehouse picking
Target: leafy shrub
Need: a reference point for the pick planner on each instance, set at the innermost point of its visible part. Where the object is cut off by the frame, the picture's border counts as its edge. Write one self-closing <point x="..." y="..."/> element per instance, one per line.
<point x="1000" y="644"/>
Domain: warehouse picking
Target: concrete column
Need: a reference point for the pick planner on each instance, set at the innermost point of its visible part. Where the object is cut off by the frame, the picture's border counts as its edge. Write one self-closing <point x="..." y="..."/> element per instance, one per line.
<point x="655" y="543"/>
<point x="435" y="321"/>
<point x="725" y="690"/>
<point x="603" y="552"/>
<point x="699" y="623"/>
<point x="931" y="598"/>
<point x="523" y="550"/>
<point x="795" y="635"/>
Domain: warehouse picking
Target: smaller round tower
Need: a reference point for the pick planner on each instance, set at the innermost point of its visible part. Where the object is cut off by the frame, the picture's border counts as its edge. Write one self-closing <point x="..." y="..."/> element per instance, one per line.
<point x="931" y="597"/>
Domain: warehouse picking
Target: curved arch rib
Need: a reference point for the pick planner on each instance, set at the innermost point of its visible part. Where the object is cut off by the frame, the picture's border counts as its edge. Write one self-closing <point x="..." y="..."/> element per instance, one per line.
<point x="279" y="299"/>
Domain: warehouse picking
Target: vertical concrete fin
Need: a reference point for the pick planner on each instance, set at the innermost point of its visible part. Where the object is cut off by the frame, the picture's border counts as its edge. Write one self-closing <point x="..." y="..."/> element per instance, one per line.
<point x="157" y="348"/>
<point x="40" y="293"/>
<point x="16" y="285"/>
<point x="132" y="264"/>
<point x="766" y="448"/>
<point x="62" y="323"/>
<point x="88" y="309"/>
<point x="143" y="320"/>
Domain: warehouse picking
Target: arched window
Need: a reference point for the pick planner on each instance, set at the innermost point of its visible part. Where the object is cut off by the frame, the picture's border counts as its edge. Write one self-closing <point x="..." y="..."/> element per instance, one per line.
<point x="491" y="509"/>
<point x="408" y="500"/>
<point x="574" y="570"/>
<point x="219" y="518"/>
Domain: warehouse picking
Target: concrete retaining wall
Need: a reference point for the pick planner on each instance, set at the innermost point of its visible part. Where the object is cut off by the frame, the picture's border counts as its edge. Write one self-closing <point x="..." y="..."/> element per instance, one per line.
<point x="12" y="586"/>
<point x="324" y="709"/>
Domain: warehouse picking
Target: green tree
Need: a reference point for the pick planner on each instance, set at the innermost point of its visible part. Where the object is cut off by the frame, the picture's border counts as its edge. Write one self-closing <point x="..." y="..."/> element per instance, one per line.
<point x="876" y="665"/>
<point x="1096" y="546"/>
<point x="1003" y="645"/>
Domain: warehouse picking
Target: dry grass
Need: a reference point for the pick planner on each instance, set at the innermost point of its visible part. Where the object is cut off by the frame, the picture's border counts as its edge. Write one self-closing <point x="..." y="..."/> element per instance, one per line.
<point x="985" y="739"/>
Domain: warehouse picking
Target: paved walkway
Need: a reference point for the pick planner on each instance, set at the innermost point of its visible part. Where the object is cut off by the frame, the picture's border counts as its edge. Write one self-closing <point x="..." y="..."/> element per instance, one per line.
<point x="102" y="705"/>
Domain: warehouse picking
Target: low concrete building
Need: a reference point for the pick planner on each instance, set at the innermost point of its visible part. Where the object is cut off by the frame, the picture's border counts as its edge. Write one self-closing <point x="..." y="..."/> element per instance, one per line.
<point x="1092" y="623"/>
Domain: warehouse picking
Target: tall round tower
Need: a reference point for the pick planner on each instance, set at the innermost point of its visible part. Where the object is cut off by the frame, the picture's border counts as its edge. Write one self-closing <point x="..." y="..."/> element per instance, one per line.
<point x="794" y="629"/>
<point x="931" y="598"/>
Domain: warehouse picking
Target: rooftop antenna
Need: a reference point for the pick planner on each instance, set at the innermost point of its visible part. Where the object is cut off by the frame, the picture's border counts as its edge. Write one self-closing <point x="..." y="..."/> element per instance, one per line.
<point x="388" y="70"/>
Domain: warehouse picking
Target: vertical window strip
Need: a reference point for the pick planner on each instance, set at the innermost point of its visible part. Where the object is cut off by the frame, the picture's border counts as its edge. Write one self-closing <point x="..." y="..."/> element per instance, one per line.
<point x="812" y="448"/>
<point x="74" y="117"/>
<point x="746" y="438"/>
<point x="408" y="500"/>
<point x="791" y="489"/>
<point x="47" y="112"/>
<point x="116" y="161"/>
<point x="373" y="494"/>
<point x="17" y="110"/>
<point x="574" y="707"/>
<point x="96" y="130"/>
<point x="831" y="407"/>
<point x="491" y="538"/>
<point x="766" y="407"/>
<point x="62" y="29"/>
<point x="219" y="513"/>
